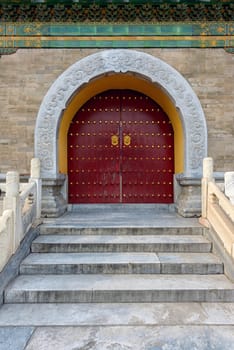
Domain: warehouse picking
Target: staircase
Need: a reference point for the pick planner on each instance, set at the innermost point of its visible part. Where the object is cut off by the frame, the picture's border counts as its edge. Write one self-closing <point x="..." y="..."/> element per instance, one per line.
<point x="132" y="256"/>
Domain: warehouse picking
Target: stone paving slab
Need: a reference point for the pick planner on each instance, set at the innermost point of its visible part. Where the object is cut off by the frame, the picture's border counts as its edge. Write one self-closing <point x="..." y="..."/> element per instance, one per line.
<point x="107" y="314"/>
<point x="15" y="338"/>
<point x="133" y="338"/>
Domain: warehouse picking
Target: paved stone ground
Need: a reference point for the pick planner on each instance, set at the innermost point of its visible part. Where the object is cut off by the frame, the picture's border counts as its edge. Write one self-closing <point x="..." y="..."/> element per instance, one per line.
<point x="118" y="338"/>
<point x="159" y="326"/>
<point x="131" y="338"/>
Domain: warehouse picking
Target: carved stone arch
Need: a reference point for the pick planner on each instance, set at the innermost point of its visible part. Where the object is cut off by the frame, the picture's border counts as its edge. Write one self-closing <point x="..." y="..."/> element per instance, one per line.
<point x="121" y="61"/>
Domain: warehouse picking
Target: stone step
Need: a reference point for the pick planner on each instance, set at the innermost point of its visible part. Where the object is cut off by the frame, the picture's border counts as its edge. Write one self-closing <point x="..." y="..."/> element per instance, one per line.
<point x="163" y="229"/>
<point x="121" y="263"/>
<point x="119" y="288"/>
<point x="114" y="209"/>
<point x="190" y="263"/>
<point x="124" y="243"/>
<point x="83" y="263"/>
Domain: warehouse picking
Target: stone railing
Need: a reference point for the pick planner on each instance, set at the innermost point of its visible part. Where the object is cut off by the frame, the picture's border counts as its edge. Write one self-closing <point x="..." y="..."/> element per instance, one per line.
<point x="218" y="206"/>
<point x="21" y="210"/>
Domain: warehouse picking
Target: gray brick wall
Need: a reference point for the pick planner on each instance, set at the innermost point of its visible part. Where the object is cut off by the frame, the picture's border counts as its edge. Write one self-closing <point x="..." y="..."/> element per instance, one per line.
<point x="26" y="76"/>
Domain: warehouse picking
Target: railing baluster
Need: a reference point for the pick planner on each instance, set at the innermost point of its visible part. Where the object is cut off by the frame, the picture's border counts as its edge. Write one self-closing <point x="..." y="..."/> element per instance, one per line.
<point x="20" y="210"/>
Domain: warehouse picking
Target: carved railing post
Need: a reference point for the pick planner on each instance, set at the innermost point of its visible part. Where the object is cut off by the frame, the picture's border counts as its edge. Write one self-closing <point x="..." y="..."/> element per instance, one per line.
<point x="12" y="201"/>
<point x="6" y="237"/>
<point x="12" y="188"/>
<point x="207" y="176"/>
<point x="35" y="177"/>
<point x="229" y="185"/>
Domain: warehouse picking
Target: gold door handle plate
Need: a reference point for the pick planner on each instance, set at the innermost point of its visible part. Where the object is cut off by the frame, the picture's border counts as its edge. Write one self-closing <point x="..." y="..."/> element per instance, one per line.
<point x="127" y="140"/>
<point x="114" y="140"/>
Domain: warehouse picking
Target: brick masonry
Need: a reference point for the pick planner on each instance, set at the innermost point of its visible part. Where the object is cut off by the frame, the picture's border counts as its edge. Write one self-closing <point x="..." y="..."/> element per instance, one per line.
<point x="26" y="76"/>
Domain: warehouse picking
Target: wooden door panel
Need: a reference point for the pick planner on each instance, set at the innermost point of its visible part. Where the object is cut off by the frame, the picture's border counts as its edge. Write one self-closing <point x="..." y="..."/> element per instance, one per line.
<point x="120" y="149"/>
<point x="93" y="161"/>
<point x="148" y="162"/>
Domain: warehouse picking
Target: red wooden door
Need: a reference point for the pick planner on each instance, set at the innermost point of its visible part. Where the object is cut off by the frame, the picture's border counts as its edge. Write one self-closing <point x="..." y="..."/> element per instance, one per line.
<point x="120" y="149"/>
<point x="148" y="161"/>
<point x="93" y="152"/>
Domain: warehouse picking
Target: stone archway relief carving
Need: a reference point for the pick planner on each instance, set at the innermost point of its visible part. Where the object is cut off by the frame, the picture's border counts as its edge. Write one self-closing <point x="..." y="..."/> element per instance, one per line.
<point x="121" y="61"/>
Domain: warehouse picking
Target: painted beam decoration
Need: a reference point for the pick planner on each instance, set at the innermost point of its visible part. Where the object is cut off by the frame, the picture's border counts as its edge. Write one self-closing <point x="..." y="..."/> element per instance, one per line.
<point x="116" y="24"/>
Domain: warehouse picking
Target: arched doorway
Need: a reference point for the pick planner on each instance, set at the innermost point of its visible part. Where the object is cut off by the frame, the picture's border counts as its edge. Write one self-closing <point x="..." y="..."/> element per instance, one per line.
<point x="120" y="150"/>
<point x="190" y="135"/>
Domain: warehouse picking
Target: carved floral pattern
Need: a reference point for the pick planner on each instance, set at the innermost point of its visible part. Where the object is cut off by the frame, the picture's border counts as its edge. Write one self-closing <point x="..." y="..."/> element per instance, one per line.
<point x="107" y="12"/>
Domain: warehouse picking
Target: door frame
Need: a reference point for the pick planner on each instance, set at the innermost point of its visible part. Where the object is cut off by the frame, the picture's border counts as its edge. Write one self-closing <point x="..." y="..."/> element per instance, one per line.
<point x="90" y="68"/>
<point x="132" y="117"/>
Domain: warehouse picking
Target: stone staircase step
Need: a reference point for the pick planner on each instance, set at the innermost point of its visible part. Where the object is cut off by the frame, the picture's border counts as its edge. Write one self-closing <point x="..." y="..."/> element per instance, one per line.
<point x="190" y="263"/>
<point x="119" y="288"/>
<point x="163" y="229"/>
<point x="94" y="263"/>
<point x="121" y="263"/>
<point x="120" y="209"/>
<point x="120" y="243"/>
